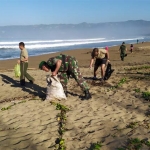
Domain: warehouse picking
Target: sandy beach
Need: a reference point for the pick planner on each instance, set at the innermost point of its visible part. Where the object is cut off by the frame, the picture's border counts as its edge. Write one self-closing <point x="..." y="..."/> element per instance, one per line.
<point x="117" y="112"/>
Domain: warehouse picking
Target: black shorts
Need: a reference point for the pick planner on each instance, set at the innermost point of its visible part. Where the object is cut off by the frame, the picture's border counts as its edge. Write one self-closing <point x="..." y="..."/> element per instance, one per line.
<point x="99" y="62"/>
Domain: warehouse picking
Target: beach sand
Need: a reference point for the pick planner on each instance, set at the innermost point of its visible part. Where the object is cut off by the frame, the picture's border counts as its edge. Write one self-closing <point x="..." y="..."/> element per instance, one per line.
<point x="31" y="123"/>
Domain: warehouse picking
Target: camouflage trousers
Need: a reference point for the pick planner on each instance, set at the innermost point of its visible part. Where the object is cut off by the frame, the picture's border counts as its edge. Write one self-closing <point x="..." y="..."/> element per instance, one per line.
<point x="122" y="55"/>
<point x="74" y="71"/>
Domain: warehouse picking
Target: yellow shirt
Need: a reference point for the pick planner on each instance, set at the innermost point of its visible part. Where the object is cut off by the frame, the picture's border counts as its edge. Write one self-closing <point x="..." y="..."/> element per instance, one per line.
<point x="101" y="53"/>
<point x="23" y="55"/>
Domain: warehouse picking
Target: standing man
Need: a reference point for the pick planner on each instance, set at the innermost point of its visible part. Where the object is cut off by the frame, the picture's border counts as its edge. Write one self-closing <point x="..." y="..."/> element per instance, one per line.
<point x="101" y="56"/>
<point x="123" y="50"/>
<point x="66" y="65"/>
<point x="24" y="65"/>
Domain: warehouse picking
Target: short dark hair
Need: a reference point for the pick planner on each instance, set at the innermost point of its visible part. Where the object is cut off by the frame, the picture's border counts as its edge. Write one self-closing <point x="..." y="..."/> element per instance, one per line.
<point x="21" y="44"/>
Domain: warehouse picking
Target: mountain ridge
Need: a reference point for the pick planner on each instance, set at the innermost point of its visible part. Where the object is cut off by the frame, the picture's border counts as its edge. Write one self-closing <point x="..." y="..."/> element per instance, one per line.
<point x="81" y="30"/>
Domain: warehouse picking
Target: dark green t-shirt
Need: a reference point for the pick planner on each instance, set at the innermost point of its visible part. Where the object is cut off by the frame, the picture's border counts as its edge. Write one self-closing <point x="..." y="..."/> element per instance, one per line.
<point x="122" y="48"/>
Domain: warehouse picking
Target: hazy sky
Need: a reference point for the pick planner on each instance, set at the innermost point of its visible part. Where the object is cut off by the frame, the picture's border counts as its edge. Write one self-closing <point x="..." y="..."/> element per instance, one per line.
<point x="27" y="12"/>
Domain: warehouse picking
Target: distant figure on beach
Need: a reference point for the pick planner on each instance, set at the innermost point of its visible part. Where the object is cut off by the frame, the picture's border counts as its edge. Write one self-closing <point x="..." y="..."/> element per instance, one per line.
<point x="24" y="65"/>
<point x="106" y="48"/>
<point x="123" y="50"/>
<point x="131" y="48"/>
<point x="137" y="41"/>
<point x="101" y="56"/>
<point x="66" y="65"/>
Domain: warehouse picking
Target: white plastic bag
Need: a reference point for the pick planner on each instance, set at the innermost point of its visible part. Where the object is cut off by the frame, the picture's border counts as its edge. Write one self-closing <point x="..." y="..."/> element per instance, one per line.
<point x="54" y="89"/>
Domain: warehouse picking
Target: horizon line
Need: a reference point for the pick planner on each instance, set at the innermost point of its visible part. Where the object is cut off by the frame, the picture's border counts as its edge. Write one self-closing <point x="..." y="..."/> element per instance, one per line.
<point x="74" y="23"/>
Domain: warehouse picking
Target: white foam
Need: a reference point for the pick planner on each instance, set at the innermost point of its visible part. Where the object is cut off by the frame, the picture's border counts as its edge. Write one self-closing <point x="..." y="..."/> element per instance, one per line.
<point x="51" y="41"/>
<point x="60" y="43"/>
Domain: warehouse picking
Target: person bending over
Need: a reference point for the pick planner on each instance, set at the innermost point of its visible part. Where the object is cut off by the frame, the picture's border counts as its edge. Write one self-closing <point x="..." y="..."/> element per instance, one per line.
<point x="66" y="65"/>
<point x="100" y="56"/>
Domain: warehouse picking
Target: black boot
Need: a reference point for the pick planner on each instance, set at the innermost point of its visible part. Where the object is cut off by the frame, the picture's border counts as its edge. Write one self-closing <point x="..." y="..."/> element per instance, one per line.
<point x="32" y="81"/>
<point x="87" y="95"/>
<point x="22" y="82"/>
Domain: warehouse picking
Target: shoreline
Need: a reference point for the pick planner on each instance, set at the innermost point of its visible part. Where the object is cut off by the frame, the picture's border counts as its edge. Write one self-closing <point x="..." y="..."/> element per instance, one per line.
<point x="78" y="53"/>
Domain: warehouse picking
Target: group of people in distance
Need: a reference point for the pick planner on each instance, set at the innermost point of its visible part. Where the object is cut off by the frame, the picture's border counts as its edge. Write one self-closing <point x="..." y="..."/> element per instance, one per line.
<point x="66" y="66"/>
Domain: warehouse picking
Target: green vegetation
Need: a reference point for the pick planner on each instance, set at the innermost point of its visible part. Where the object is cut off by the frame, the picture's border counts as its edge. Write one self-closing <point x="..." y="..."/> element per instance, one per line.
<point x="137" y="68"/>
<point x="61" y="118"/>
<point x="96" y="146"/>
<point x="9" y="107"/>
<point x="135" y="144"/>
<point x="132" y="125"/>
<point x="137" y="90"/>
<point x="146" y="95"/>
<point x="22" y="102"/>
<point x="120" y="83"/>
<point x="6" y="108"/>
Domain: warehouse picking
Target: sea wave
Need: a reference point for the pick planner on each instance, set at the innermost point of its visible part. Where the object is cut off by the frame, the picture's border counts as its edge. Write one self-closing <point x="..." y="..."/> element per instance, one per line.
<point x="59" y="43"/>
<point x="51" y="41"/>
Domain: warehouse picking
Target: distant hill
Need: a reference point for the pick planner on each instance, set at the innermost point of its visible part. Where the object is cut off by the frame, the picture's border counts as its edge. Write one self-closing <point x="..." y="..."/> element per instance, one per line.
<point x="82" y="30"/>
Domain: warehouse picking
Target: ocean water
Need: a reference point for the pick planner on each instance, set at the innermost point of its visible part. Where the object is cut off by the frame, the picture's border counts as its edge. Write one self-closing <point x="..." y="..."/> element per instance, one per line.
<point x="10" y="49"/>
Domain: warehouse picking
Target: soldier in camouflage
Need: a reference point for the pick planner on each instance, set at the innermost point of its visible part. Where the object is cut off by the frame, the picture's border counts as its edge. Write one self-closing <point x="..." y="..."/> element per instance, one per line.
<point x="66" y="65"/>
<point x="123" y="51"/>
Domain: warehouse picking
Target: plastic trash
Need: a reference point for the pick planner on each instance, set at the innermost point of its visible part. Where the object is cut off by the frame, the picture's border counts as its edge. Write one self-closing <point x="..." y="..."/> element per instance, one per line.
<point x="54" y="89"/>
<point x="17" y="70"/>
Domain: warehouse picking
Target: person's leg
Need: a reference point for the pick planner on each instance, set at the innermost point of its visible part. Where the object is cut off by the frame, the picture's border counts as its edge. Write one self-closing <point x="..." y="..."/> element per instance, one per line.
<point x="97" y="64"/>
<point x="122" y="56"/>
<point x="22" y="77"/>
<point x="95" y="71"/>
<point x="31" y="79"/>
<point x="103" y="66"/>
<point x="64" y="77"/>
<point x="76" y="74"/>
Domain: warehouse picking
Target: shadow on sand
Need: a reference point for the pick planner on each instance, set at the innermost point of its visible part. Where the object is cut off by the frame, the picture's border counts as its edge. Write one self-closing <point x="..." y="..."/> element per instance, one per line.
<point x="33" y="89"/>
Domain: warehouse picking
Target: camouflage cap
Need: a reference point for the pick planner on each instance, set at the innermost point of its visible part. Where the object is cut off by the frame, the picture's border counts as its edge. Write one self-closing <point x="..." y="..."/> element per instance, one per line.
<point x="41" y="64"/>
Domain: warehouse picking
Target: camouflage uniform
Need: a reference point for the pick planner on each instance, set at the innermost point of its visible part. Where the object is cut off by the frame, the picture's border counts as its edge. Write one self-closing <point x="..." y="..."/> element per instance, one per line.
<point x="68" y="67"/>
<point x="122" y="52"/>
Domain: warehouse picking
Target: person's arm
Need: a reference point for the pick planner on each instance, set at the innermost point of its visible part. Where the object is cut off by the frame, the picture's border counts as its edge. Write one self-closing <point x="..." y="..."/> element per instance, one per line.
<point x="25" y="59"/>
<point x="107" y="54"/>
<point x="91" y="62"/>
<point x="58" y="64"/>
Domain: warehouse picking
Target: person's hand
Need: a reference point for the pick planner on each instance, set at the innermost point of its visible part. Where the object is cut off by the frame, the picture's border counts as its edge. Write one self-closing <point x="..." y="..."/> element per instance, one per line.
<point x="108" y="60"/>
<point x="90" y="67"/>
<point x="54" y="73"/>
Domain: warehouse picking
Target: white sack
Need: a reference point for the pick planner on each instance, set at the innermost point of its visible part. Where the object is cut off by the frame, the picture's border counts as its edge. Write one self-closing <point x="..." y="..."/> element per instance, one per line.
<point x="54" y="89"/>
